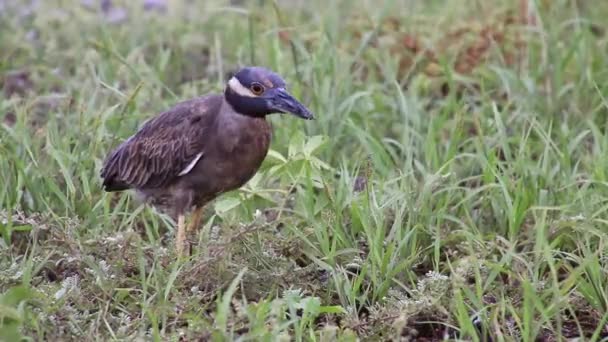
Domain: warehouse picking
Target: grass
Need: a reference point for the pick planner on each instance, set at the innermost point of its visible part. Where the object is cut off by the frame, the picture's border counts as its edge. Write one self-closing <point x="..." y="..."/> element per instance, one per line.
<point x="453" y="186"/>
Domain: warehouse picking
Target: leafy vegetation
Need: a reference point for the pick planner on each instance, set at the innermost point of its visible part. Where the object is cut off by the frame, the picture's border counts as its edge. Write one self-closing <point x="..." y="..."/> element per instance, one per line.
<point x="453" y="186"/>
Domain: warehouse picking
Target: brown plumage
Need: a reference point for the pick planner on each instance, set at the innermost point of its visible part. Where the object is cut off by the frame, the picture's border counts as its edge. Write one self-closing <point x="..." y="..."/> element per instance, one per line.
<point x="187" y="156"/>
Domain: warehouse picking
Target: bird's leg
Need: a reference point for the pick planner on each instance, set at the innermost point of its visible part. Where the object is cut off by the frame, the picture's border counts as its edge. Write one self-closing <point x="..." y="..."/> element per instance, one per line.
<point x="180" y="237"/>
<point x="196" y="219"/>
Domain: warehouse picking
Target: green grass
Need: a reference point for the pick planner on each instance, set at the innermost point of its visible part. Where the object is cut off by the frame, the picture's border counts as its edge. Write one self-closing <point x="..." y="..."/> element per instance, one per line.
<point x="427" y="200"/>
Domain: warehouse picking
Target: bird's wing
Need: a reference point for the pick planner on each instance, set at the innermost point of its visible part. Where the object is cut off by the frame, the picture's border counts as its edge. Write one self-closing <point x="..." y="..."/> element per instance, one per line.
<point x="166" y="147"/>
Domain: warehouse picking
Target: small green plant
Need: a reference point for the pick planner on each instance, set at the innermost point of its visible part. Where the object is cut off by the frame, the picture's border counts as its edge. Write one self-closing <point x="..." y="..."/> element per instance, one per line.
<point x="14" y="313"/>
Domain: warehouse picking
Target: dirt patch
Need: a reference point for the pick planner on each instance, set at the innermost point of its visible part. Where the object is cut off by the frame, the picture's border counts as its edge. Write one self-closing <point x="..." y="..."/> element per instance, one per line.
<point x="17" y="82"/>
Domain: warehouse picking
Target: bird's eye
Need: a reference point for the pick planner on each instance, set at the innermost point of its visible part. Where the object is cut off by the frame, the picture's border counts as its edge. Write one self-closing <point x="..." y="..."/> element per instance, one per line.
<point x="257" y="88"/>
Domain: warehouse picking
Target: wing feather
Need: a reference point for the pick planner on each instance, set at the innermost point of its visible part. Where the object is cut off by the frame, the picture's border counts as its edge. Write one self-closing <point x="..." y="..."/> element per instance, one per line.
<point x="162" y="148"/>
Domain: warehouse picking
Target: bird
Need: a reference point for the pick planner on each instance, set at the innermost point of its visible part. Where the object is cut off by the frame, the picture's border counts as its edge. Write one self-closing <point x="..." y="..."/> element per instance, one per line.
<point x="183" y="158"/>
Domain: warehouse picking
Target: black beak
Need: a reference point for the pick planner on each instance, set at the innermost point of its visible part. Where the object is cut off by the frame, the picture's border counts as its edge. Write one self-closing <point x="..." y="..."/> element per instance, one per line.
<point x="284" y="102"/>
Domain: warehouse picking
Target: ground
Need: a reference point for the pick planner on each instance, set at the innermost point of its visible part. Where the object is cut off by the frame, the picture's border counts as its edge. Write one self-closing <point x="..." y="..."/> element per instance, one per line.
<point x="453" y="186"/>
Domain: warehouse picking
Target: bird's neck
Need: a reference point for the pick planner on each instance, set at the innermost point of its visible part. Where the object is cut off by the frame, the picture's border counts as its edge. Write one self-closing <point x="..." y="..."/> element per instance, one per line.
<point x="248" y="106"/>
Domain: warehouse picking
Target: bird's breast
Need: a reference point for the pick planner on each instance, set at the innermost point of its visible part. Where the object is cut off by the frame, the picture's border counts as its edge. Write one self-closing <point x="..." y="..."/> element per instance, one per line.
<point x="252" y="145"/>
<point x="235" y="157"/>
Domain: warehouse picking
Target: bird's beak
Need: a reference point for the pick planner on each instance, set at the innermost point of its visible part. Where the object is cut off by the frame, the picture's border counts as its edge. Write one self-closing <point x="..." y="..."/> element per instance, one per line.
<point x="284" y="102"/>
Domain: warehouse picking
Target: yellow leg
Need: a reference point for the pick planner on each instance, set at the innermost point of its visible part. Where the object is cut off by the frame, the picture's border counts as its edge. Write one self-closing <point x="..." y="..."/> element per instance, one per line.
<point x="195" y="221"/>
<point x="180" y="237"/>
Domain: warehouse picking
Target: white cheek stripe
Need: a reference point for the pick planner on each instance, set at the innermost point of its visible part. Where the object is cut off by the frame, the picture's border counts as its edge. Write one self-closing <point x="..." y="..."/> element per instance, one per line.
<point x="191" y="165"/>
<point x="238" y="88"/>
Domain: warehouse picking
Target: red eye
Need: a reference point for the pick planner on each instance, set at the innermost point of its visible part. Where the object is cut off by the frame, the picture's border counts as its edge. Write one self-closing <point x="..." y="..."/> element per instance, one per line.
<point x="257" y="88"/>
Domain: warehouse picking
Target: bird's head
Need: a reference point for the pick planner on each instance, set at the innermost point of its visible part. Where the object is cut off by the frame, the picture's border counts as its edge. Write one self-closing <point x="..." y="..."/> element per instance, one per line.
<point x="256" y="91"/>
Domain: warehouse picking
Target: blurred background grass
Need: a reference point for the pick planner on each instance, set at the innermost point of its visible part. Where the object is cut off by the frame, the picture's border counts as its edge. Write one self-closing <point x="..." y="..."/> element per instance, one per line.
<point x="453" y="185"/>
